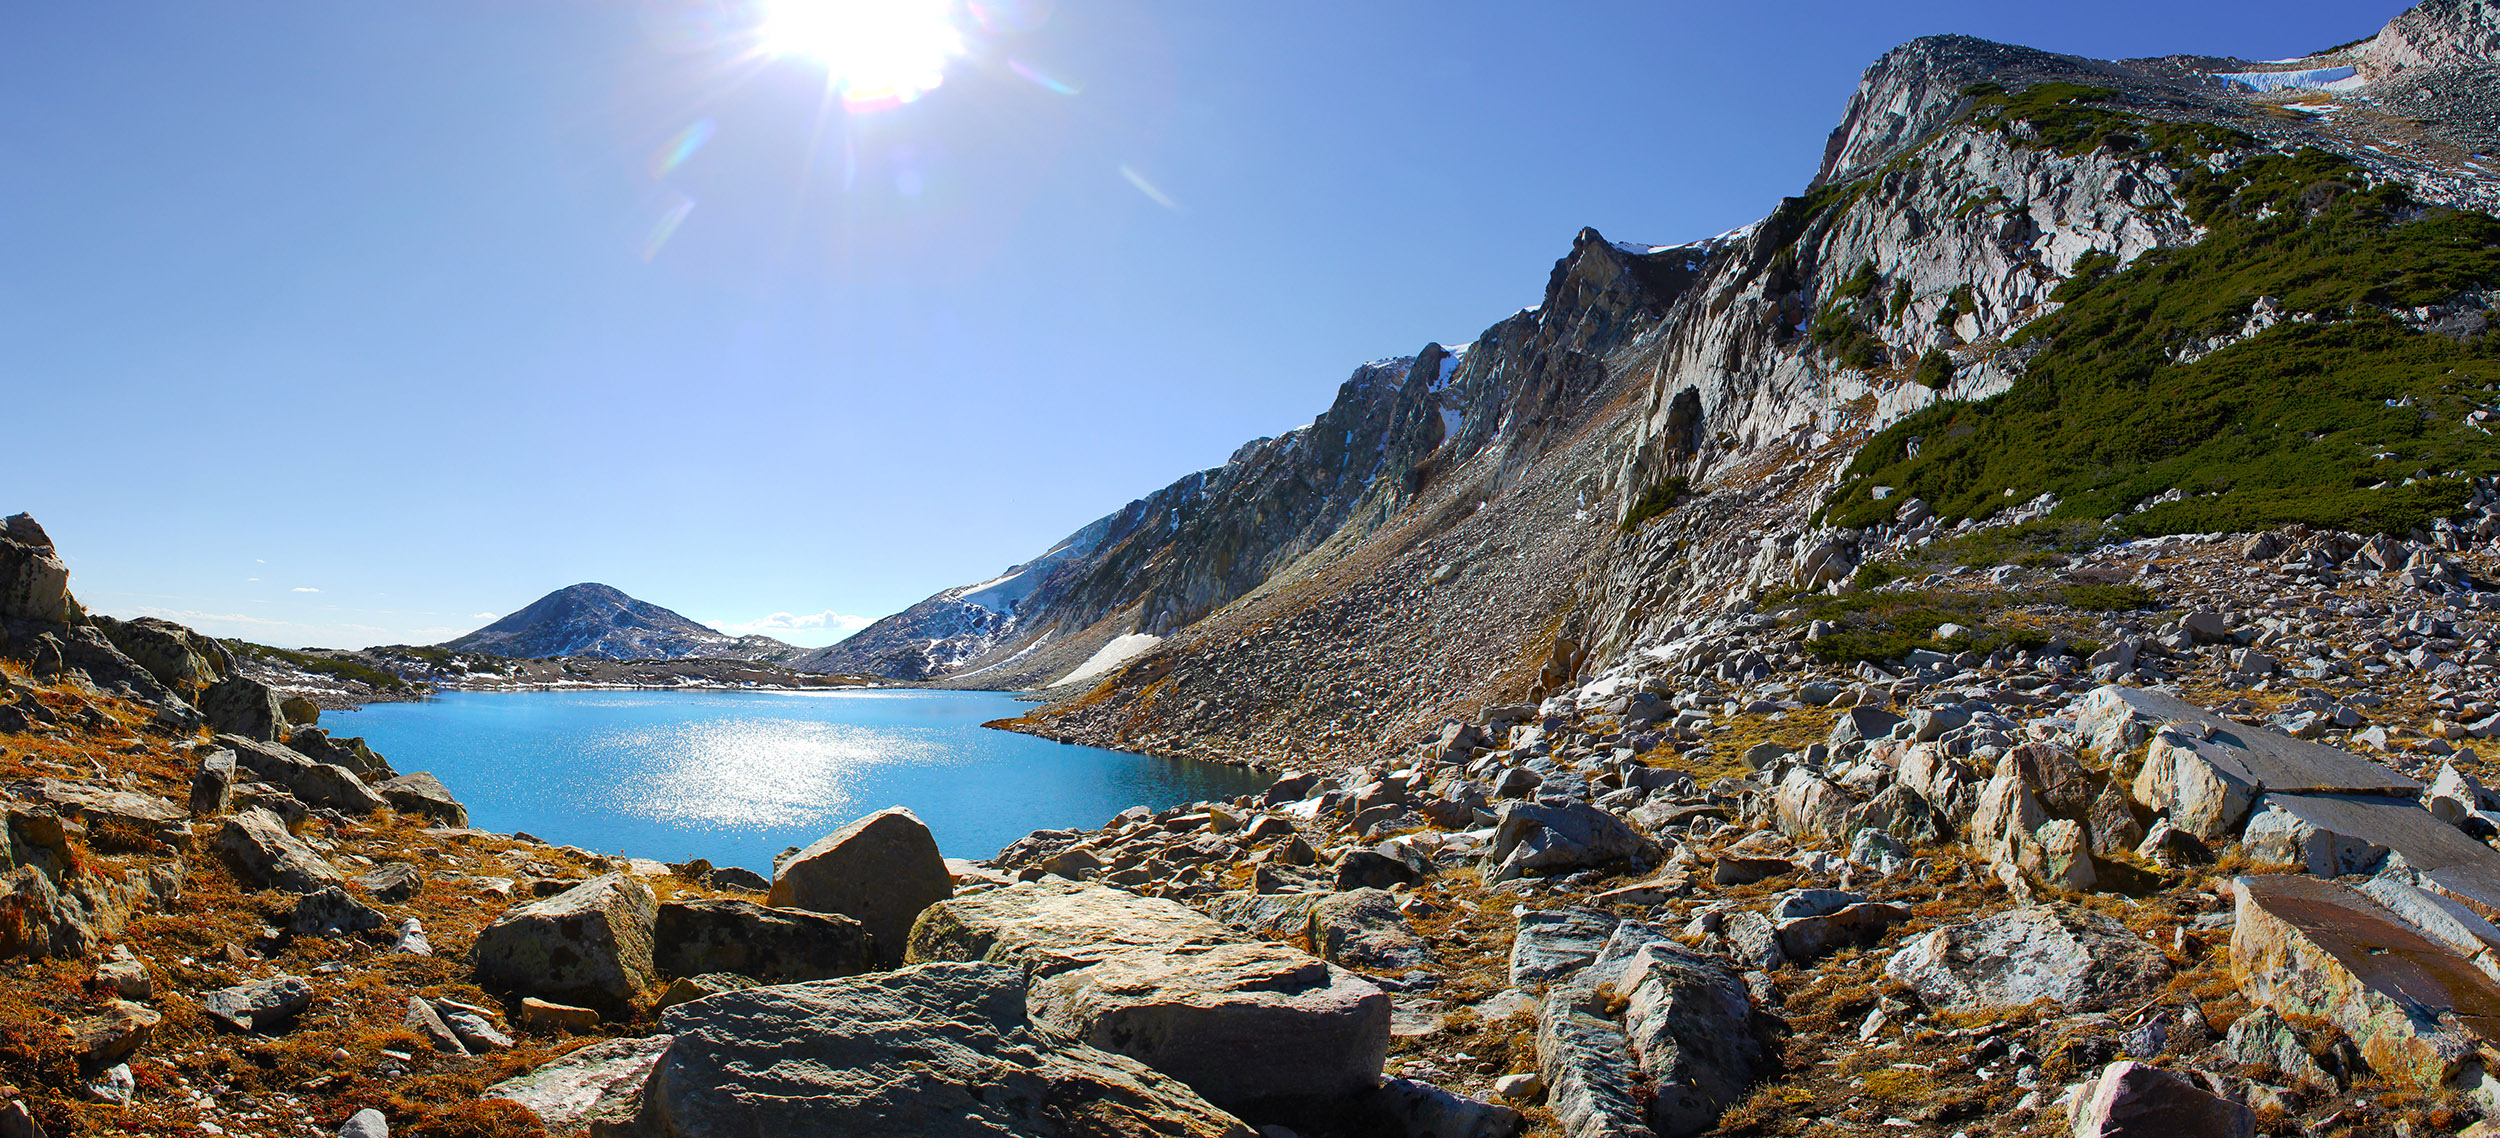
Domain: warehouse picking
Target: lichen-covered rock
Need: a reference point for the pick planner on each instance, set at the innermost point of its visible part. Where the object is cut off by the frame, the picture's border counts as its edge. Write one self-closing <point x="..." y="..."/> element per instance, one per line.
<point x="183" y="660"/>
<point x="245" y="707"/>
<point x="329" y="911"/>
<point x="423" y="795"/>
<point x="34" y="583"/>
<point x="2075" y="957"/>
<point x="318" y="784"/>
<point x="316" y="744"/>
<point x="264" y="854"/>
<point x="1546" y="835"/>
<point x="601" y="1083"/>
<point x="590" y="945"/>
<point x="776" y="946"/>
<point x="263" y="1005"/>
<point x="881" y="871"/>
<point x="1252" y="1027"/>
<point x="825" y="1058"/>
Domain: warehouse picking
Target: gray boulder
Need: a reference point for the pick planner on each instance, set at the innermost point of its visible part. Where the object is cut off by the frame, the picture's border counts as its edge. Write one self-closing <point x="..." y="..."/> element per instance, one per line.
<point x="1549" y="834"/>
<point x="601" y="1083"/>
<point x="1553" y="943"/>
<point x="319" y="784"/>
<point x="1253" y="1027"/>
<point x="2131" y="1100"/>
<point x="1365" y="930"/>
<point x="1421" y="1110"/>
<point x="2074" y="957"/>
<point x="262" y="1006"/>
<point x="776" y="946"/>
<point x="212" y="787"/>
<point x="881" y="871"/>
<point x="1693" y="1033"/>
<point x="34" y="583"/>
<point x="264" y="854"/>
<point x="822" y="1058"/>
<point x="392" y="882"/>
<point x="424" y="795"/>
<point x="245" y="707"/>
<point x="181" y="659"/>
<point x="316" y="744"/>
<point x="589" y="945"/>
<point x="329" y="911"/>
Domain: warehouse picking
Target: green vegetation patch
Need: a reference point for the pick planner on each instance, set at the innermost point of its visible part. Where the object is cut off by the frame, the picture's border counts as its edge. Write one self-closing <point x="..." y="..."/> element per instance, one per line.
<point x="1656" y="500"/>
<point x="2324" y="419"/>
<point x="2071" y="119"/>
<point x="1879" y="626"/>
<point x="354" y="670"/>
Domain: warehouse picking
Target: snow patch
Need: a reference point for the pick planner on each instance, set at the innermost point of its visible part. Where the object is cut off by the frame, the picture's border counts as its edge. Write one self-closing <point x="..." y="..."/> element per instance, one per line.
<point x="1121" y="650"/>
<point x="2314" y="79"/>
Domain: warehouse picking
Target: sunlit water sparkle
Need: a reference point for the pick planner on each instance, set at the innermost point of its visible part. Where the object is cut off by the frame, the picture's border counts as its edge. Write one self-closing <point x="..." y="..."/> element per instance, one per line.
<point x="737" y="776"/>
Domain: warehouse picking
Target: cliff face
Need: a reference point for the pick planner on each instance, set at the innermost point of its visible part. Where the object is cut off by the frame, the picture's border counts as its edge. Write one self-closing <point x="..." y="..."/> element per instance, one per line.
<point x="1396" y="430"/>
<point x="591" y="619"/>
<point x="1653" y="442"/>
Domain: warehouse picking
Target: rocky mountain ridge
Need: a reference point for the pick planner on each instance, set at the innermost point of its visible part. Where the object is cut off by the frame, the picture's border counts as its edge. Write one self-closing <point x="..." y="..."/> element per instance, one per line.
<point x="591" y="619"/>
<point x="1693" y="465"/>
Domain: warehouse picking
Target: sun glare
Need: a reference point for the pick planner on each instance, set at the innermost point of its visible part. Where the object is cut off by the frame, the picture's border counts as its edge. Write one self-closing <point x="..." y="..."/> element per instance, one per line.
<point x="876" y="53"/>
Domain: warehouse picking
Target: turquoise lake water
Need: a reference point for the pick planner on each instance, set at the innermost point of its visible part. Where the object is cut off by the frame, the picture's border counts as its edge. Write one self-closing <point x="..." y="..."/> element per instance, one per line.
<point x="738" y="776"/>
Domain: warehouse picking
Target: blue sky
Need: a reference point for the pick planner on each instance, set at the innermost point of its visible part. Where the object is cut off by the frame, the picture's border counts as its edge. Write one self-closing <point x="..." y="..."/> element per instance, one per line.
<point x="352" y="323"/>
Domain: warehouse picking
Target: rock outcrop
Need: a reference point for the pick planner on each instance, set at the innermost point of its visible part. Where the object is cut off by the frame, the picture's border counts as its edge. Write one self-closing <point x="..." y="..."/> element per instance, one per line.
<point x="881" y="871"/>
<point x="824" y="1058"/>
<point x="1259" y="1029"/>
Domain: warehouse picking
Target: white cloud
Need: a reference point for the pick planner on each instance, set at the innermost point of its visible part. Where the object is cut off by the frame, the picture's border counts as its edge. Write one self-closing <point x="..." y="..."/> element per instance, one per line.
<point x="811" y="629"/>
<point x="306" y="589"/>
<point x="482" y="616"/>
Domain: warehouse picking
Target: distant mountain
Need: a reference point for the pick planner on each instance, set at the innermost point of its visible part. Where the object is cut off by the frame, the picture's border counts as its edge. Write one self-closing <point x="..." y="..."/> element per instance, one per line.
<point x="591" y="619"/>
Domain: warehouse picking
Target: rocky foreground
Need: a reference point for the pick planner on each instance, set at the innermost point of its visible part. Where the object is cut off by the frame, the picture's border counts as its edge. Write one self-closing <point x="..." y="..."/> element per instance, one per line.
<point x="2204" y="852"/>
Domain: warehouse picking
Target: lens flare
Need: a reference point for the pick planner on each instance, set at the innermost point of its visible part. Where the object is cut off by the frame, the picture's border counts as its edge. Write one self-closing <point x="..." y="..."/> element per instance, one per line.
<point x="673" y="211"/>
<point x="1040" y="78"/>
<point x="681" y="148"/>
<point x="1153" y="192"/>
<point x="877" y="54"/>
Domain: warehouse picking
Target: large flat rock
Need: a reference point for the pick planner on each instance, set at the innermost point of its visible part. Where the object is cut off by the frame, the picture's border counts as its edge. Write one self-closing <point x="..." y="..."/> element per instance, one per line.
<point x="1259" y="1029"/>
<point x="2120" y="718"/>
<point x="2075" y="957"/>
<point x="2418" y="1010"/>
<point x="2331" y="835"/>
<point x="937" y="1050"/>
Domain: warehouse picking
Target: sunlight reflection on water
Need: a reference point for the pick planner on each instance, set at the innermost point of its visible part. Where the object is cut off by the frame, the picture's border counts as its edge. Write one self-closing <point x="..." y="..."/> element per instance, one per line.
<point x="763" y="772"/>
<point x="737" y="776"/>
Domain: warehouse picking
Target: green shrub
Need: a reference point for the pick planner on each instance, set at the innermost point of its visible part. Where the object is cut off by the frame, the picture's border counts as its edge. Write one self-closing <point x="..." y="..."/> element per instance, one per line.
<point x="1900" y="300"/>
<point x="2067" y="118"/>
<point x="1860" y="284"/>
<point x="2322" y="422"/>
<point x="1656" y="500"/>
<point x="1935" y="369"/>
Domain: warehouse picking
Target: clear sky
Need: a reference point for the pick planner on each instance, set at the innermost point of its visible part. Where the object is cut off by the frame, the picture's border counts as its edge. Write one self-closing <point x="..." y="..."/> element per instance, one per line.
<point x="345" y="322"/>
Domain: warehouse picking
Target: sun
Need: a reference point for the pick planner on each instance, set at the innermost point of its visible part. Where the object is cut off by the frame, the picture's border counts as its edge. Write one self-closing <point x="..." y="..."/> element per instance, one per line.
<point x="876" y="53"/>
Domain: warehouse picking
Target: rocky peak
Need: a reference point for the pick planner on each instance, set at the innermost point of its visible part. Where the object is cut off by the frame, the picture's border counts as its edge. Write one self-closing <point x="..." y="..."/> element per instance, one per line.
<point x="2434" y="33"/>
<point x="1917" y="87"/>
<point x="21" y="528"/>
<point x="591" y="619"/>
